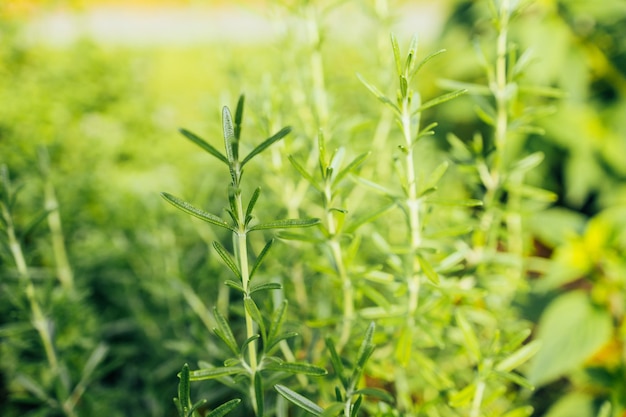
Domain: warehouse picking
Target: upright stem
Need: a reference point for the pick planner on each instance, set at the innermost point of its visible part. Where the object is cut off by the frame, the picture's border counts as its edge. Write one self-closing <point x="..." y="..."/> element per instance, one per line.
<point x="317" y="67"/>
<point x="242" y="258"/>
<point x="39" y="320"/>
<point x="492" y="177"/>
<point x="346" y="283"/>
<point x="478" y="399"/>
<point x="413" y="206"/>
<point x="64" y="270"/>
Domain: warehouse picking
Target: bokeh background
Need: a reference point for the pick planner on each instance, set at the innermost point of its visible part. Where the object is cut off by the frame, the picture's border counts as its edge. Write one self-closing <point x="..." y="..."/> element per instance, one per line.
<point x="98" y="89"/>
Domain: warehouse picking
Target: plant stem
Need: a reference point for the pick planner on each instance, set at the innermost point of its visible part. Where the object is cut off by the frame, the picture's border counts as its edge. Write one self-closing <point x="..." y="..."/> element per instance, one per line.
<point x="492" y="176"/>
<point x="320" y="101"/>
<point x="242" y="258"/>
<point x="478" y="399"/>
<point x="64" y="270"/>
<point x="413" y="206"/>
<point x="39" y="320"/>
<point x="346" y="283"/>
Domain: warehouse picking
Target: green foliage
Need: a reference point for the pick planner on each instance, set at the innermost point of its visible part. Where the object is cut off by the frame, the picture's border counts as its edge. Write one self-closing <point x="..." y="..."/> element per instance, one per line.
<point x="470" y="204"/>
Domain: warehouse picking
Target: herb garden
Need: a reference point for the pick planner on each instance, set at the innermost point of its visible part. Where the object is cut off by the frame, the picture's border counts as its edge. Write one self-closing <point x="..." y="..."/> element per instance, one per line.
<point x="349" y="219"/>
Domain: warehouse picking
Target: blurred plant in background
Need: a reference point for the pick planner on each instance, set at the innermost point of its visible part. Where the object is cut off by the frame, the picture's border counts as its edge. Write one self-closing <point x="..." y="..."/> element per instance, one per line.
<point x="136" y="303"/>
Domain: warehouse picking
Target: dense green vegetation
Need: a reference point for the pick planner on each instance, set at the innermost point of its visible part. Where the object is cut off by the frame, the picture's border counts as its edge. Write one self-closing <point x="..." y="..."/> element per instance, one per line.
<point x="455" y="237"/>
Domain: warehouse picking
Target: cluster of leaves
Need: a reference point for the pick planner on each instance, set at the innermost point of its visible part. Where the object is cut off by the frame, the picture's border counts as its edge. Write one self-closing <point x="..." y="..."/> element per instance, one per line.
<point x="261" y="310"/>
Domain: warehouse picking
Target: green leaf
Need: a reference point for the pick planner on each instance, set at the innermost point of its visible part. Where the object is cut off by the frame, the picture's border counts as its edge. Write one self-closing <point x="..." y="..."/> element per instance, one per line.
<point x="261" y="257"/>
<point x="426" y="60"/>
<point x="366" y="348"/>
<point x="225" y="408"/>
<point x="333" y="409"/>
<point x="368" y="218"/>
<point x="525" y="411"/>
<point x="286" y="224"/>
<point x="252" y="203"/>
<point x="527" y="163"/>
<point x="217" y="372"/>
<point x="303" y="172"/>
<point x="239" y="116"/>
<point x="204" y="145"/>
<point x="410" y="58"/>
<point x="299" y="400"/>
<point x="301" y="368"/>
<point x="303" y="237"/>
<point x="475" y="89"/>
<point x="224" y="332"/>
<point x="227" y="258"/>
<point x="196" y="406"/>
<point x="571" y="329"/>
<point x="376" y="393"/>
<point x="439" y="100"/>
<point x="404" y="347"/>
<point x="396" y="54"/>
<point x="230" y="141"/>
<point x="380" y="96"/>
<point x="279" y="338"/>
<point x="535" y="193"/>
<point x="462" y="203"/>
<point x="605" y="409"/>
<point x="336" y="362"/>
<point x="278" y="318"/>
<point x="471" y="342"/>
<point x="255" y="313"/>
<point x="356" y="406"/>
<point x="428" y="270"/>
<point x="249" y="340"/>
<point x="516" y="379"/>
<point x="184" y="389"/>
<point x="356" y="162"/>
<point x="264" y="287"/>
<point x="519" y="357"/>
<point x="258" y="393"/>
<point x="266" y="144"/>
<point x="235" y="285"/>
<point x="202" y="215"/>
<point x="575" y="404"/>
<point x="464" y="397"/>
<point x="435" y="176"/>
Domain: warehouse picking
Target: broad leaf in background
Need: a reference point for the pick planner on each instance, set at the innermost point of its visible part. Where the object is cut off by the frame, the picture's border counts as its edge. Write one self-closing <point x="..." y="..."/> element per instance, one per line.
<point x="571" y="330"/>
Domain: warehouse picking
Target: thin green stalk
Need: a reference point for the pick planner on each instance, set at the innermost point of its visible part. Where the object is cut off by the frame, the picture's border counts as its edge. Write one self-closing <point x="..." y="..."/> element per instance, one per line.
<point x="478" y="399"/>
<point x="413" y="206"/>
<point x="320" y="100"/>
<point x="51" y="204"/>
<point x="492" y="176"/>
<point x="346" y="283"/>
<point x="242" y="258"/>
<point x="38" y="318"/>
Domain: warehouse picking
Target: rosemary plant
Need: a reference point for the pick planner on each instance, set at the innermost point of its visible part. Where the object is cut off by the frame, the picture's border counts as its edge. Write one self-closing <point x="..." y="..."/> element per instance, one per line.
<point x="250" y="362"/>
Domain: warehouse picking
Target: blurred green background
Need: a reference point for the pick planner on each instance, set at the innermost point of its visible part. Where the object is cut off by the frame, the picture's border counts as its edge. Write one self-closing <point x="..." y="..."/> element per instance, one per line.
<point x="106" y="109"/>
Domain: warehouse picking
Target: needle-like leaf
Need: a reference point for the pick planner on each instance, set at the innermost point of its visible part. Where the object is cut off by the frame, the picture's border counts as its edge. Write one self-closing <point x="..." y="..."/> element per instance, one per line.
<point x="266" y="144"/>
<point x="204" y="145"/>
<point x="196" y="212"/>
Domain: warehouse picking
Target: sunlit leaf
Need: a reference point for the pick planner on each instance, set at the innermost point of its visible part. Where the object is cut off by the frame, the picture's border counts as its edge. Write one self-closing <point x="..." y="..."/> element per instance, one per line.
<point x="266" y="144"/>
<point x="204" y="145"/>
<point x="571" y="329"/>
<point x="212" y="373"/>
<point x="189" y="209"/>
<point x="469" y="336"/>
<point x="227" y="258"/>
<point x="225" y="408"/>
<point x="299" y="400"/>
<point x="224" y="332"/>
<point x="286" y="224"/>
<point x="261" y="257"/>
